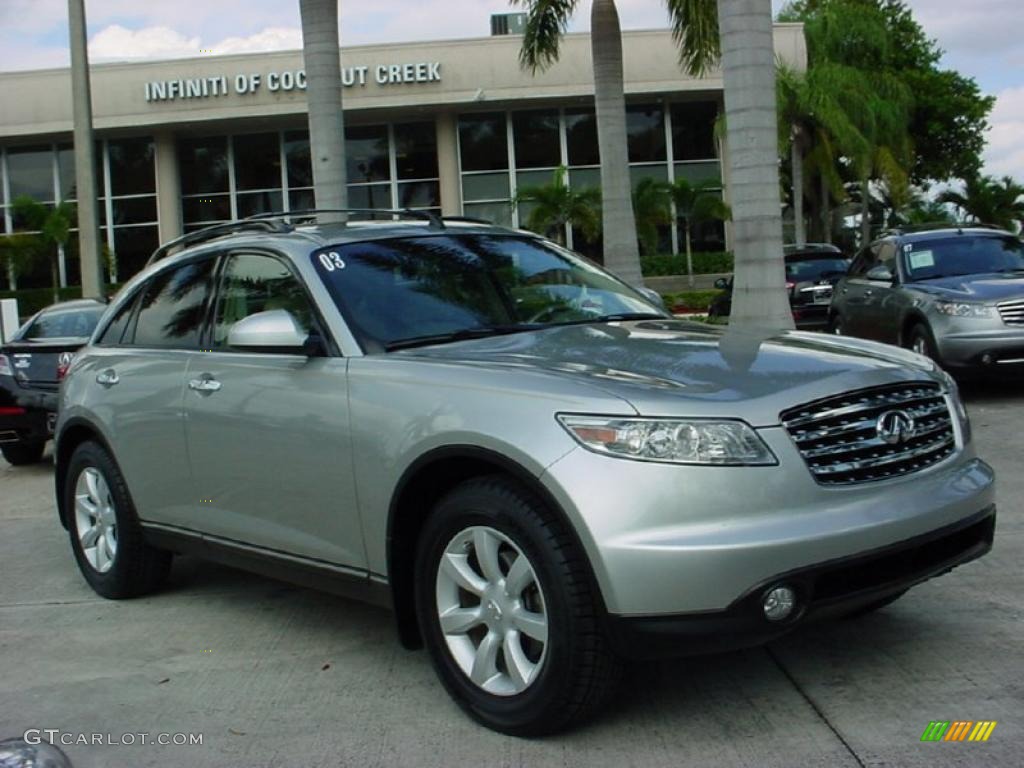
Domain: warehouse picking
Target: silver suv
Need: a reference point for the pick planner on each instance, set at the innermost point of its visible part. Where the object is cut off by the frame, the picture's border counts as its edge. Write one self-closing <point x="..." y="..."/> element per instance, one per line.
<point x="535" y="466"/>
<point x="953" y="294"/>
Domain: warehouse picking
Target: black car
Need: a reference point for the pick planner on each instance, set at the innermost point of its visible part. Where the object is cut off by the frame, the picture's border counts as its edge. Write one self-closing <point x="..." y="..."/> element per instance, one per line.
<point x="812" y="272"/>
<point x="32" y="364"/>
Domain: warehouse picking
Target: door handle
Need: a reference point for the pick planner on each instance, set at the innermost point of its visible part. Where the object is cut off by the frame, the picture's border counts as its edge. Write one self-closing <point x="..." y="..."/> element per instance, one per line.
<point x="107" y="378"/>
<point x="205" y="384"/>
<point x="868" y="292"/>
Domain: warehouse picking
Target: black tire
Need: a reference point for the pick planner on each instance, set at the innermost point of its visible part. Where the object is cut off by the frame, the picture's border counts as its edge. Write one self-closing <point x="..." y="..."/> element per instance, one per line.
<point x="23" y="453"/>
<point x="920" y="339"/>
<point x="836" y="325"/>
<point x="578" y="671"/>
<point x="876" y="606"/>
<point x="137" y="568"/>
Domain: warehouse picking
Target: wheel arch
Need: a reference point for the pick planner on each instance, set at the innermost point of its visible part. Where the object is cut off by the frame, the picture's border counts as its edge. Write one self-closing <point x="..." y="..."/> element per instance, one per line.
<point x="421" y="486"/>
<point x="75" y="432"/>
<point x="912" y="318"/>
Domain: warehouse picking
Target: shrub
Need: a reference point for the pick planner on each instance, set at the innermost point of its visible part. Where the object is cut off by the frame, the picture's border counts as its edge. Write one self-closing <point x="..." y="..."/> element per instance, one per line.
<point x="709" y="263"/>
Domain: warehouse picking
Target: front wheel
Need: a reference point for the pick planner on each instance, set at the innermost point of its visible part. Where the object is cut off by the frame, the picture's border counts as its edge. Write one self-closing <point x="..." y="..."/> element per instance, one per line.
<point x="920" y="340"/>
<point x="836" y="326"/>
<point x="106" y="537"/>
<point x="506" y="608"/>
<point x="23" y="453"/>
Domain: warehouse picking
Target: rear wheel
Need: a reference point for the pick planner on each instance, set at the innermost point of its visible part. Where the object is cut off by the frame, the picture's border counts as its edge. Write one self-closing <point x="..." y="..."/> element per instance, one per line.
<point x="507" y="611"/>
<point x="23" y="453"/>
<point x="105" y="533"/>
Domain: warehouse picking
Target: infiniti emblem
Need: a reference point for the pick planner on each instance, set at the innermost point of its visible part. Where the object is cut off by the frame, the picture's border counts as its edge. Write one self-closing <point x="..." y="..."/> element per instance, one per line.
<point x="895" y="427"/>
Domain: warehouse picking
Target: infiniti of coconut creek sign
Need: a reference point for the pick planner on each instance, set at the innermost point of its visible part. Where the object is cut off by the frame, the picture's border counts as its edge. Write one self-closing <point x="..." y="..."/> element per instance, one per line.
<point x="290" y="80"/>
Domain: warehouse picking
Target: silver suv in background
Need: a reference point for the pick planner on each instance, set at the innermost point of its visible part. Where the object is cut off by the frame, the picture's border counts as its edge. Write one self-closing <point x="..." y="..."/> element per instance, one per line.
<point x="535" y="466"/>
<point x="953" y="294"/>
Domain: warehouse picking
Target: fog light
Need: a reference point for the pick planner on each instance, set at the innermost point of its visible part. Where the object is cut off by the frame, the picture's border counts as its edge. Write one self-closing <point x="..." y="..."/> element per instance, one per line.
<point x="779" y="603"/>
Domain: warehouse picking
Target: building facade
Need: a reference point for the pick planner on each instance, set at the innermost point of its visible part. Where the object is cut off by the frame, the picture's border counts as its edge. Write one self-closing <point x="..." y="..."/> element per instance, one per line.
<point x="455" y="127"/>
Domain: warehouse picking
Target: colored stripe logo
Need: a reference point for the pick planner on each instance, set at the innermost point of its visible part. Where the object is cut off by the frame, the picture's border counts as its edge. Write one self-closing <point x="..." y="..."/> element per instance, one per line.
<point x="958" y="730"/>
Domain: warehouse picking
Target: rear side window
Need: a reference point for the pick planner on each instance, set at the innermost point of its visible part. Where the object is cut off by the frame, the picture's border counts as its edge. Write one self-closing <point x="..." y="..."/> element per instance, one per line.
<point x="173" y="307"/>
<point x="114" y="331"/>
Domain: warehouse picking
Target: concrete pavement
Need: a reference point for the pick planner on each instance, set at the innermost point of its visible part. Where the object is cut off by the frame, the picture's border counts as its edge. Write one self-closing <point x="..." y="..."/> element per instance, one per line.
<point x="273" y="675"/>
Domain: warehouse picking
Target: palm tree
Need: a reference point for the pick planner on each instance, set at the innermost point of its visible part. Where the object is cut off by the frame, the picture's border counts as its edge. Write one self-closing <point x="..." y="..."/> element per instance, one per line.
<point x="321" y="54"/>
<point x="556" y="205"/>
<point x="696" y="204"/>
<point x="652" y="208"/>
<point x="748" y="73"/>
<point x="547" y="21"/>
<point x="986" y="200"/>
<point x="54" y="228"/>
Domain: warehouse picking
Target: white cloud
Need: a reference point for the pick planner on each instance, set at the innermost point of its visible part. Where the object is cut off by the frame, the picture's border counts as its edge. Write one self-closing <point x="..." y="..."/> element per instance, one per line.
<point x="116" y="43"/>
<point x="1005" y="153"/>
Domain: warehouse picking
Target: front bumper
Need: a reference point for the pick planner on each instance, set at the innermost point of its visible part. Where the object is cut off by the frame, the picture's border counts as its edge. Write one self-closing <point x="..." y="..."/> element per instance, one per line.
<point x="999" y="348"/>
<point x="666" y="539"/>
<point x="826" y="590"/>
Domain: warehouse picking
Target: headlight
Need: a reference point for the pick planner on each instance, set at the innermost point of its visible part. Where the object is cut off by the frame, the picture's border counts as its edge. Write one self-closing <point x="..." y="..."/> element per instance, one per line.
<point x="962" y="309"/>
<point x="675" y="441"/>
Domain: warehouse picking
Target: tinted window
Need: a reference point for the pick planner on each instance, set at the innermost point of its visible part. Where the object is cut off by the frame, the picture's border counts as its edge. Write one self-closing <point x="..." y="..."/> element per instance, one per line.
<point x="409" y="288"/>
<point x="962" y="255"/>
<point x="581" y="137"/>
<point x="257" y="162"/>
<point x="693" y="130"/>
<point x="254" y="283"/>
<point x="483" y="142"/>
<point x="131" y="167"/>
<point x="645" y="127"/>
<point x="416" y="151"/>
<point x="864" y="261"/>
<point x="173" y="306"/>
<point x="64" y="323"/>
<point x="812" y="270"/>
<point x="537" y="139"/>
<point x="204" y="165"/>
<point x="366" y="150"/>
<point x="116" y="328"/>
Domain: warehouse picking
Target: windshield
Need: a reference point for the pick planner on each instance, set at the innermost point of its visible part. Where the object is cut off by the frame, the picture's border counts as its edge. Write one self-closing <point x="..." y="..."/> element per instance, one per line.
<point x="962" y="255"/>
<point x="426" y="288"/>
<point x="812" y="270"/>
<point x="63" y="324"/>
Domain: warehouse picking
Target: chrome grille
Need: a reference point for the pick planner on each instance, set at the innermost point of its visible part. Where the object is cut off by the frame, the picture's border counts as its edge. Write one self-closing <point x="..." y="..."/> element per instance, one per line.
<point x="840" y="440"/>
<point x="1012" y="312"/>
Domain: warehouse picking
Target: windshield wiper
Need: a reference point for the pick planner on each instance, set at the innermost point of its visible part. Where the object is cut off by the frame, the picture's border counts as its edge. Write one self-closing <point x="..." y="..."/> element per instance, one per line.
<point x="464" y="334"/>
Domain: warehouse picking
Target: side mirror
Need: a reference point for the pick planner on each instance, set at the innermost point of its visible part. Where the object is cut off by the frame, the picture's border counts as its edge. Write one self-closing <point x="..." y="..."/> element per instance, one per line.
<point x="652" y="296"/>
<point x="880" y="274"/>
<point x="722" y="283"/>
<point x="271" y="331"/>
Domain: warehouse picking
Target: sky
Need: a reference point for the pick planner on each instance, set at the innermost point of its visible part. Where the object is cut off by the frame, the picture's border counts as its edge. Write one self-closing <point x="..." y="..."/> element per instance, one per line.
<point x="982" y="38"/>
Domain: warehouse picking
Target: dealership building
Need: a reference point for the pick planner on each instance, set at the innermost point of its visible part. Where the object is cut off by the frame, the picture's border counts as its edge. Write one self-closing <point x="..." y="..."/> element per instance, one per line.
<point x="455" y="127"/>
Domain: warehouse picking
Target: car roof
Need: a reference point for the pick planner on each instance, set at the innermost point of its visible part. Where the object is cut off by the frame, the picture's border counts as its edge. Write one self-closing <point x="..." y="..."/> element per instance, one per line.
<point x="810" y="251"/>
<point x="938" y="232"/>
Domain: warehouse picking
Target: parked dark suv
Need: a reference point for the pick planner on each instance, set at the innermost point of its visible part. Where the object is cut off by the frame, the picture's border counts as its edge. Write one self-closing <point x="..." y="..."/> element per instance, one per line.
<point x="953" y="294"/>
<point x="812" y="270"/>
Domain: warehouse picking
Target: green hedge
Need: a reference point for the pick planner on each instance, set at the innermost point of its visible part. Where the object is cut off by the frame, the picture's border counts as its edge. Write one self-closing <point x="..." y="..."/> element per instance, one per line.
<point x="703" y="264"/>
<point x="689" y="301"/>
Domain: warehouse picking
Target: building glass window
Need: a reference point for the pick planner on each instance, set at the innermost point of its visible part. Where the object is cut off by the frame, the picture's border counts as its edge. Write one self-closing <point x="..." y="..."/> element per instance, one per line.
<point x="693" y="130"/>
<point x="416" y="151"/>
<point x="257" y="161"/>
<point x="581" y="137"/>
<point x="483" y="142"/>
<point x="66" y="172"/>
<point x="30" y="172"/>
<point x="645" y="131"/>
<point x="131" y="167"/>
<point x="204" y="165"/>
<point x="300" y="166"/>
<point x="537" y="139"/>
<point x="366" y="154"/>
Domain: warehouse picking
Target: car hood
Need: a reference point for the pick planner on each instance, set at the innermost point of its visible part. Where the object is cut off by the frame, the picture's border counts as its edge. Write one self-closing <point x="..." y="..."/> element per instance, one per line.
<point x="989" y="287"/>
<point x="674" y="367"/>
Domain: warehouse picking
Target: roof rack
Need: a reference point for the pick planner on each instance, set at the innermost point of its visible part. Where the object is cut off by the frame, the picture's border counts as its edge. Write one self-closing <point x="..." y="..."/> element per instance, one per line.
<point x="907" y="229"/>
<point x="214" y="231"/>
<point x="435" y="221"/>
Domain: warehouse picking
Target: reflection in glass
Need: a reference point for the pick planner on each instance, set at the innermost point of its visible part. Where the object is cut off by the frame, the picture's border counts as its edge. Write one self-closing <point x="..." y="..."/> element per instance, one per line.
<point x="416" y="150"/>
<point x="253" y="283"/>
<point x="537" y="142"/>
<point x="483" y="142"/>
<point x="366" y="153"/>
<point x="581" y="136"/>
<point x="300" y="167"/>
<point x="30" y="172"/>
<point x="693" y="130"/>
<point x="132" y="169"/>
<point x="203" y="164"/>
<point x="645" y="128"/>
<point x="173" y="306"/>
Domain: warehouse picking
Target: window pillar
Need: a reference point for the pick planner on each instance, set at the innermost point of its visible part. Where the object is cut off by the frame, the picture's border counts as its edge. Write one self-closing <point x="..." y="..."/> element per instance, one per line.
<point x="168" y="187"/>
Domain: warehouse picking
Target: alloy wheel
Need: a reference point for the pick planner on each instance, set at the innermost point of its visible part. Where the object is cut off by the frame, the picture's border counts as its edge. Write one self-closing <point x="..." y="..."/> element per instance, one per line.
<point x="491" y="610"/>
<point x="96" y="519"/>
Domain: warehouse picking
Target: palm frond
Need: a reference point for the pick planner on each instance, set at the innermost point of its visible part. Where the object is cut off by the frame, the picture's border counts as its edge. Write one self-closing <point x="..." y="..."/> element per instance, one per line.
<point x="546" y="22"/>
<point x="695" y="31"/>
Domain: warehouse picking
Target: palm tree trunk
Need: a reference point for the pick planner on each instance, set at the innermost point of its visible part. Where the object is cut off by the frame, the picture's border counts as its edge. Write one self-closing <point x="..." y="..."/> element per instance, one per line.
<point x="797" y="161"/>
<point x="621" y="250"/>
<point x="865" y="213"/>
<point x="748" y="72"/>
<point x="54" y="279"/>
<point x="689" y="256"/>
<point x="322" y="58"/>
<point x="826" y="212"/>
